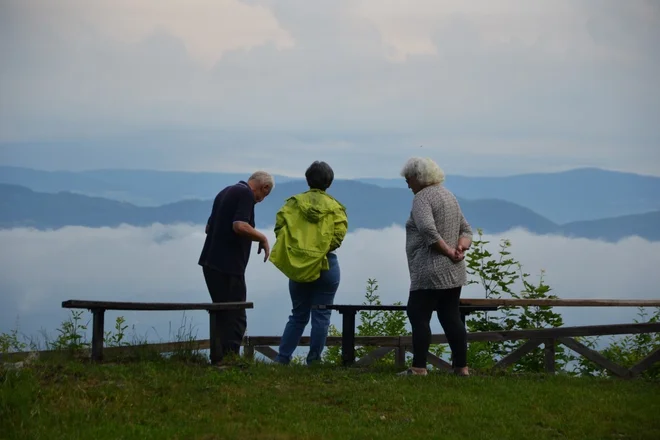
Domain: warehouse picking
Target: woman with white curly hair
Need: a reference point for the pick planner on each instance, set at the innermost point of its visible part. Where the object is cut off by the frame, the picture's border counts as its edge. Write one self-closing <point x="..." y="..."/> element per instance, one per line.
<point x="437" y="235"/>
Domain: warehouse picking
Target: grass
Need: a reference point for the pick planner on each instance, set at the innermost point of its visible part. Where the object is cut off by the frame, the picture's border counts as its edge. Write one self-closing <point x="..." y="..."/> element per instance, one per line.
<point x="175" y="400"/>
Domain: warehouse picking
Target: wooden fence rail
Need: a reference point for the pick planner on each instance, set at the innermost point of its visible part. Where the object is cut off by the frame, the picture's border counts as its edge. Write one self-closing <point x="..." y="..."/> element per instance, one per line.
<point x="467" y="306"/>
<point x="548" y="337"/>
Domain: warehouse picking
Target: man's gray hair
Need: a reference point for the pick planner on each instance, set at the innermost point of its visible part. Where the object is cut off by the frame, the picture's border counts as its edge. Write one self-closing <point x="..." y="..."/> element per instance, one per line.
<point x="424" y="170"/>
<point x="263" y="178"/>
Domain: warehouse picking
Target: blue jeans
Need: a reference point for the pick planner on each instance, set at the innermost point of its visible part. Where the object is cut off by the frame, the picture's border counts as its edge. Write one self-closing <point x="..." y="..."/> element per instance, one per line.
<point x="303" y="297"/>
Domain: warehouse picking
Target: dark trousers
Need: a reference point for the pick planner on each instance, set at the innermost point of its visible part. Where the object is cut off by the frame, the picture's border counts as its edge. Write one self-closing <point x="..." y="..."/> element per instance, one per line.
<point x="421" y="304"/>
<point x="230" y="324"/>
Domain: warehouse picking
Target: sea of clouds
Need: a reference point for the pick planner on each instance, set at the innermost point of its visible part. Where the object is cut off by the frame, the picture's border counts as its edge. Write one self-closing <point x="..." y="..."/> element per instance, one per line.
<point x="40" y="269"/>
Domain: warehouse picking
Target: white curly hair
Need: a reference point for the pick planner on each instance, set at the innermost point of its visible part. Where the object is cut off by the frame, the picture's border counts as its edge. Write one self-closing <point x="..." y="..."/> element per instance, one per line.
<point x="424" y="170"/>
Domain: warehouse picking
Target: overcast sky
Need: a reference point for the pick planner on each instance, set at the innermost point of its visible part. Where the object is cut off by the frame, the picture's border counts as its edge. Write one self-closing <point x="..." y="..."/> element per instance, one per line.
<point x="485" y="87"/>
<point x="158" y="263"/>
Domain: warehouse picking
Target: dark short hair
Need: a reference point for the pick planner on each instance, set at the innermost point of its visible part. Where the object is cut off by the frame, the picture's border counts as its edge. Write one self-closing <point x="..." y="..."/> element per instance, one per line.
<point x="319" y="175"/>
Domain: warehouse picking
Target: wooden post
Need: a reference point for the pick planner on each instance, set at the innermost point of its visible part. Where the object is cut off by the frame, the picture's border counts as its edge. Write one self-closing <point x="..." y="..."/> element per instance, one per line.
<point x="248" y="350"/>
<point x="215" y="348"/>
<point x="400" y="356"/>
<point x="97" y="334"/>
<point x="549" y="349"/>
<point x="348" y="336"/>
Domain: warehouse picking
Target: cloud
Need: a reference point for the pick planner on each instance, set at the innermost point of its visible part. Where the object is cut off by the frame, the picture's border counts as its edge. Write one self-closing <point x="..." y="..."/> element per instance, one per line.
<point x="40" y="269"/>
<point x="207" y="29"/>
<point x="513" y="85"/>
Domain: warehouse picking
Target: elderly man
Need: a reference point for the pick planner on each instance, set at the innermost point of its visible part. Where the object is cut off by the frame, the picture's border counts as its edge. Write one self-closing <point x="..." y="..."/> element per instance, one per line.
<point x="229" y="235"/>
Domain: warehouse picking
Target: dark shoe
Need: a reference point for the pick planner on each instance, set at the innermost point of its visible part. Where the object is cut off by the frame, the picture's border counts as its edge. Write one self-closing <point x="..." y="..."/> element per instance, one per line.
<point x="232" y="362"/>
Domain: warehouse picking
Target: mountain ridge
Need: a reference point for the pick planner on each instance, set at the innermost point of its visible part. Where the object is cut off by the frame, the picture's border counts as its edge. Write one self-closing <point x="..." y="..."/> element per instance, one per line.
<point x="369" y="206"/>
<point x="562" y="197"/>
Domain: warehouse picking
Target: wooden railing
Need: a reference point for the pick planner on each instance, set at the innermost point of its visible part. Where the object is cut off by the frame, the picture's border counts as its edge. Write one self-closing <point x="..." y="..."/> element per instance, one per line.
<point x="550" y="338"/>
<point x="467" y="306"/>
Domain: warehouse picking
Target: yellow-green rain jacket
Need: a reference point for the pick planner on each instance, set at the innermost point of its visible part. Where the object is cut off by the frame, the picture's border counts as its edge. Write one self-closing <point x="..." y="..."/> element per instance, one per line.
<point x="307" y="227"/>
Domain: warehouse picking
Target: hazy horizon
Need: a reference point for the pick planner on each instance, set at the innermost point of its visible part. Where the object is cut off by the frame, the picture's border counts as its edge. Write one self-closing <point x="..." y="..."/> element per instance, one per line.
<point x="301" y="174"/>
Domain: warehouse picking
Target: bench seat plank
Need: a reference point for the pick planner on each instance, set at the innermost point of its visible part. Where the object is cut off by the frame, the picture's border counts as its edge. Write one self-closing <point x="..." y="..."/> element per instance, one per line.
<point x="392" y="308"/>
<point x="116" y="305"/>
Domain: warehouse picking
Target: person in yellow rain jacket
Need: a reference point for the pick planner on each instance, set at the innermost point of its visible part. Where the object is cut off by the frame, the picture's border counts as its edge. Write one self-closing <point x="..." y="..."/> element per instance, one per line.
<point x="308" y="229"/>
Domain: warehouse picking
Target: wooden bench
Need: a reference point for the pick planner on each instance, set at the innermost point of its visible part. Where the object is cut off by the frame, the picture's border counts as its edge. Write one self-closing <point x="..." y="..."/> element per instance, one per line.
<point x="98" y="309"/>
<point x="349" y="311"/>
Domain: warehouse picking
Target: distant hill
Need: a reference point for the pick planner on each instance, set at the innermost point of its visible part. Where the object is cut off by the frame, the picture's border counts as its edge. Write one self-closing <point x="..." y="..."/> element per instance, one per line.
<point x="372" y="207"/>
<point x="368" y="206"/>
<point x="582" y="194"/>
<point x="140" y="187"/>
<point x="613" y="229"/>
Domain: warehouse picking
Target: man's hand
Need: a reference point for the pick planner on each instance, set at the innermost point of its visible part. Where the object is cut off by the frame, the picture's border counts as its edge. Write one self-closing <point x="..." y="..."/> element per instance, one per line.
<point x="263" y="244"/>
<point x="245" y="230"/>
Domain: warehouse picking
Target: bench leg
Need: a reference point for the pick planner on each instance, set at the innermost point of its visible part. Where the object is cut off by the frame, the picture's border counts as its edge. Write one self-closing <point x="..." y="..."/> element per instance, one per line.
<point x="348" y="337"/>
<point x="549" y="356"/>
<point x="248" y="350"/>
<point x="214" y="339"/>
<point x="400" y="356"/>
<point x="97" y="334"/>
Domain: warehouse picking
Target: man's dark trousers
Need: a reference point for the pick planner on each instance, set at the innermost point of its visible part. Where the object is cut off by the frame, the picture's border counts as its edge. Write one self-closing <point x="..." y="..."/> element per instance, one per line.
<point x="230" y="324"/>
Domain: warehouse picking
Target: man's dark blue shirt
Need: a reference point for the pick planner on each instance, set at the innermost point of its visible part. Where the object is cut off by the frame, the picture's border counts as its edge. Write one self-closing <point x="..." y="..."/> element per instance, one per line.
<point x="224" y="250"/>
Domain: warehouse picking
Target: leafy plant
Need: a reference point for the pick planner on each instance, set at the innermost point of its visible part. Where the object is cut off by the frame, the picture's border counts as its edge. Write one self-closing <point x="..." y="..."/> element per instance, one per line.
<point x="72" y="334"/>
<point x="10" y="342"/>
<point x="501" y="275"/>
<point x="628" y="350"/>
<point x="380" y="322"/>
<point x="116" y="338"/>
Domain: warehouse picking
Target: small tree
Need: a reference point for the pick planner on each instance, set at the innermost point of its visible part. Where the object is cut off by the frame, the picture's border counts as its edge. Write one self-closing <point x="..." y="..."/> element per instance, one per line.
<point x="499" y="275"/>
<point x="72" y="334"/>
